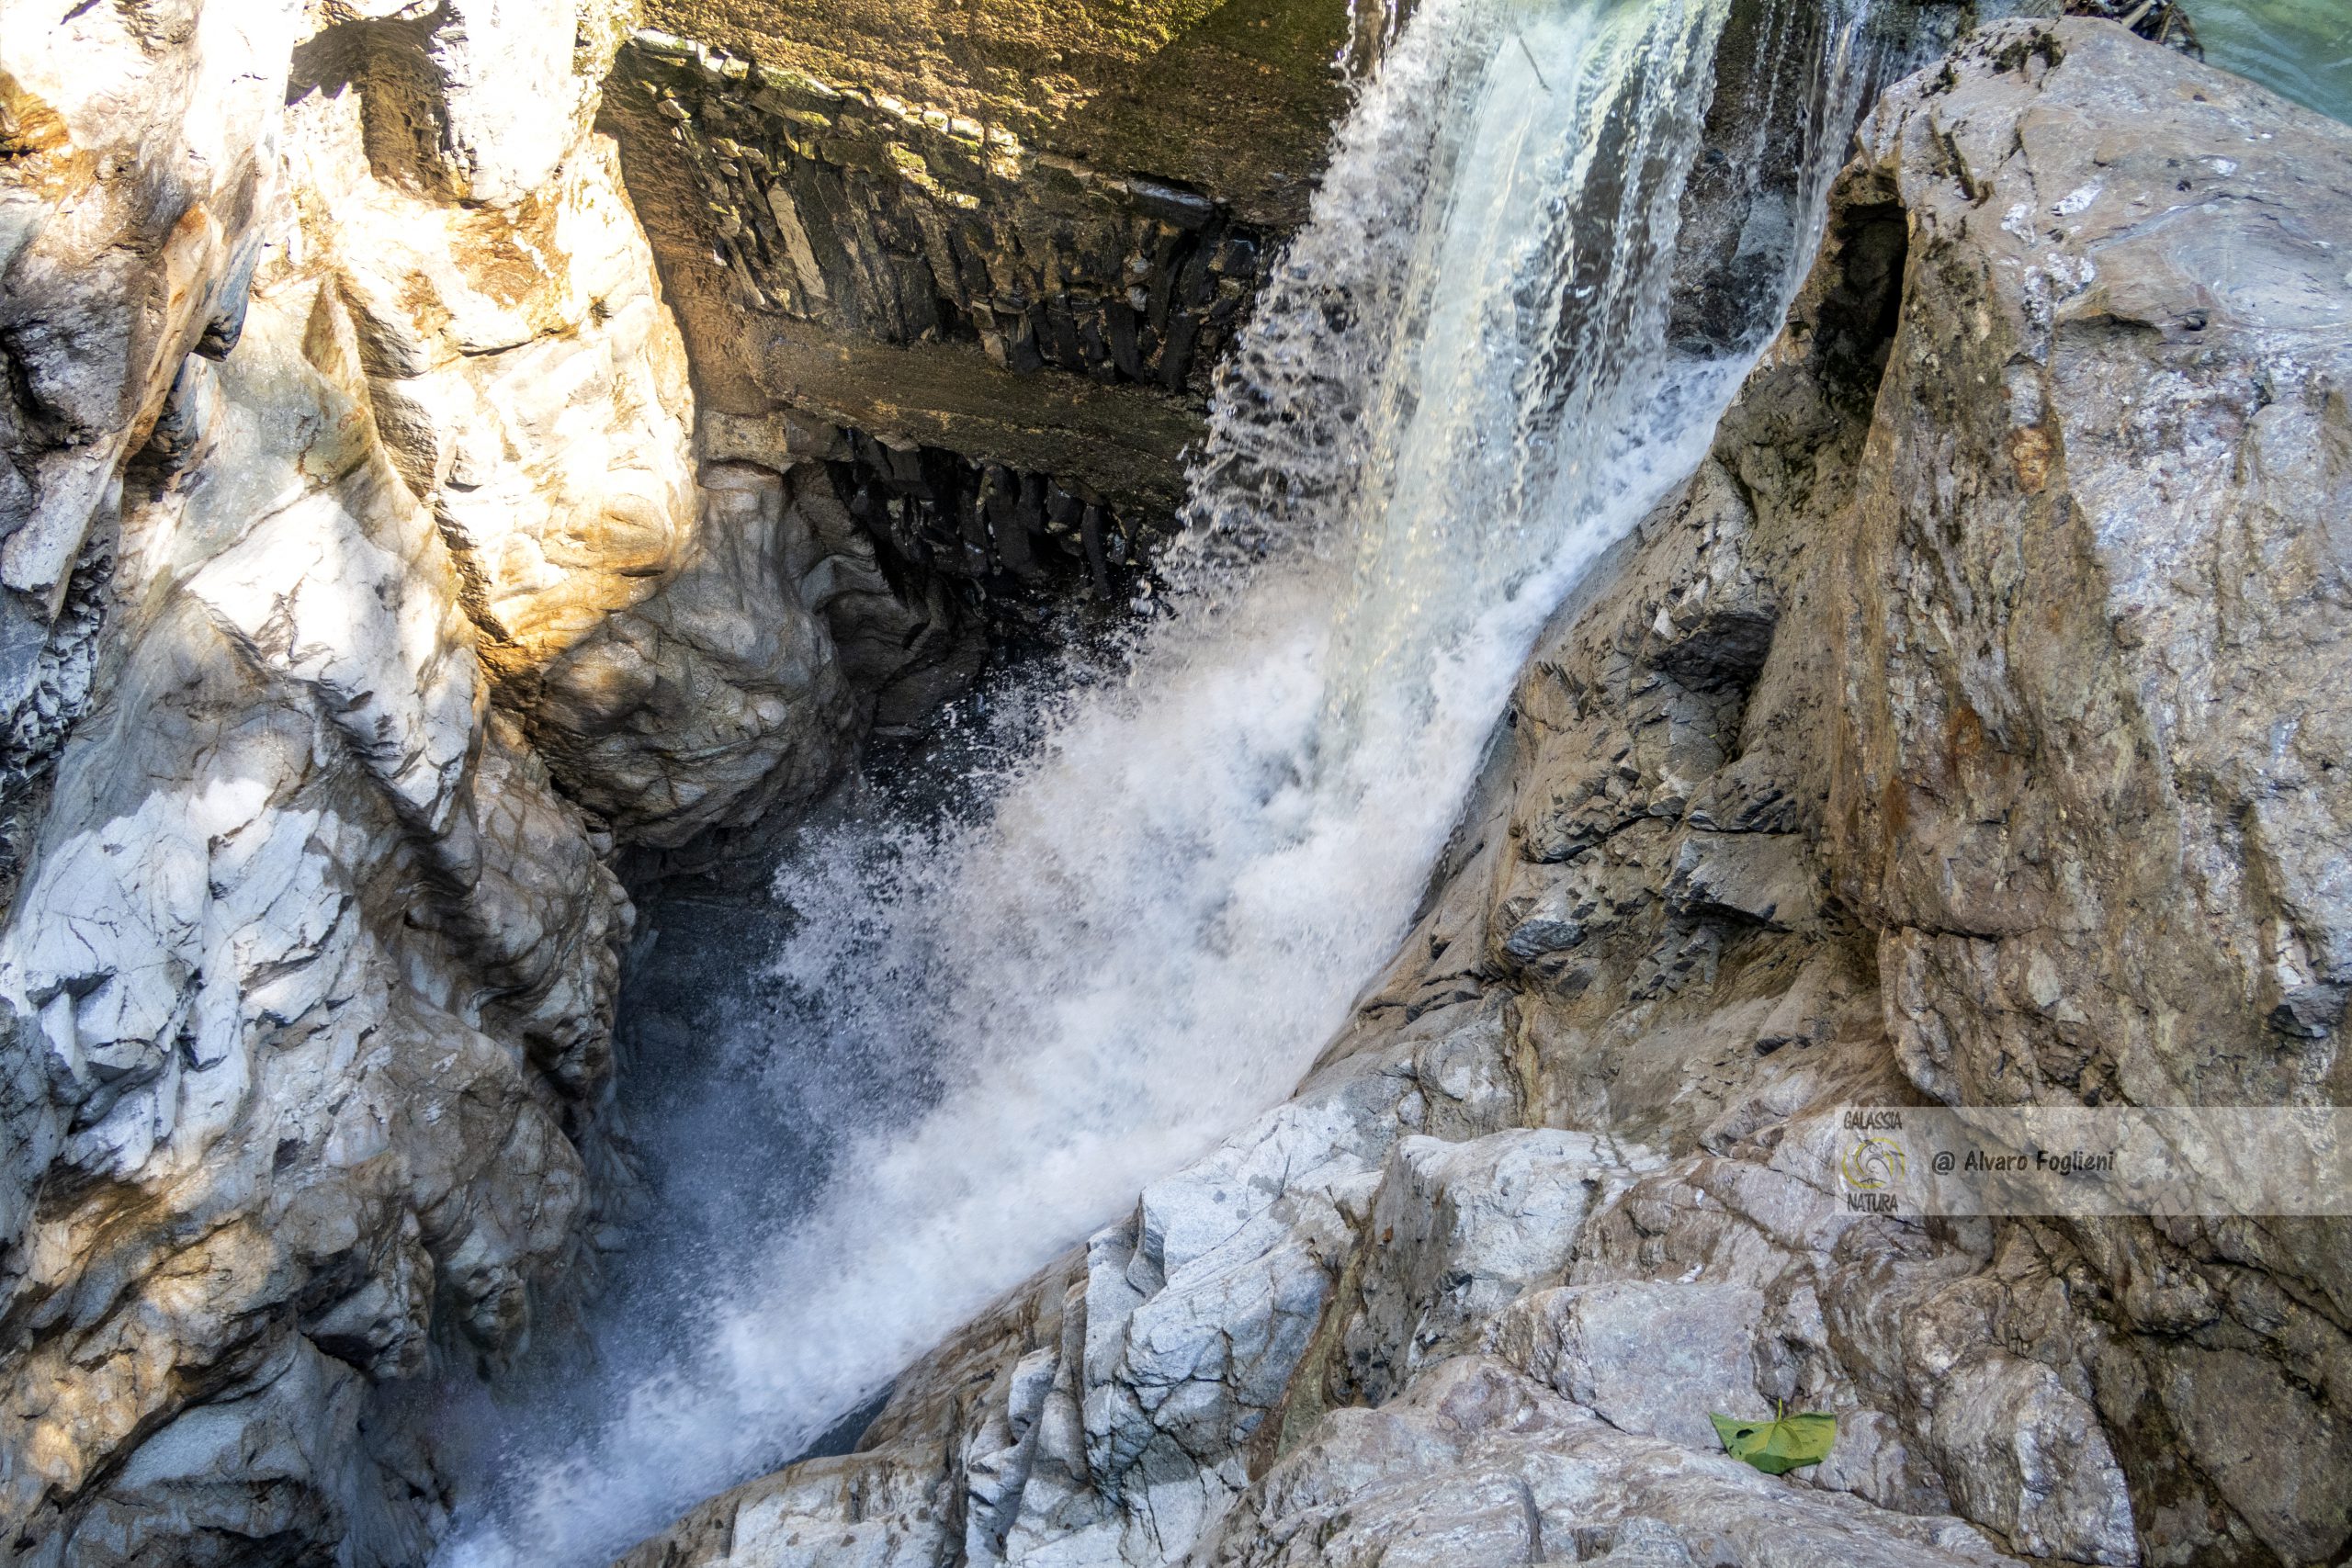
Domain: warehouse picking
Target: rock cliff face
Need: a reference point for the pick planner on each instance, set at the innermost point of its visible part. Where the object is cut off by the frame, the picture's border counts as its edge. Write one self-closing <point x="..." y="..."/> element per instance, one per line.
<point x="372" y="579"/>
<point x="308" y="980"/>
<point x="979" y="267"/>
<point x="451" y="448"/>
<point x="1968" y="728"/>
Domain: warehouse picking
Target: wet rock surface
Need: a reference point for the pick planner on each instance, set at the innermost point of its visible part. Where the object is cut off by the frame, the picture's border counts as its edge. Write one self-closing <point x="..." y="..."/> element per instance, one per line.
<point x="453" y="452"/>
<point x="994" y="295"/>
<point x="1944" y="739"/>
<point x="856" y="213"/>
<point x="1231" y="100"/>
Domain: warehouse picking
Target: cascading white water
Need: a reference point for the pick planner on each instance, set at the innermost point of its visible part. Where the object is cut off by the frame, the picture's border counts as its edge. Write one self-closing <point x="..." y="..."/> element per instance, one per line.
<point x="1455" y="393"/>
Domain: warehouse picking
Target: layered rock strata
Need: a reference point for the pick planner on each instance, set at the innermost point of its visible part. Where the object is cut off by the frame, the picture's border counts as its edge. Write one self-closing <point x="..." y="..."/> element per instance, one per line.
<point x="1968" y="728"/>
<point x="381" y="555"/>
<point x="999" y="348"/>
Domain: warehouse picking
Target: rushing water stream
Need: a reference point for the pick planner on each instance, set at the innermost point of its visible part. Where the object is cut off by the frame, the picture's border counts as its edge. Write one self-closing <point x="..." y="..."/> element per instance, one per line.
<point x="962" y="1040"/>
<point x="2300" y="49"/>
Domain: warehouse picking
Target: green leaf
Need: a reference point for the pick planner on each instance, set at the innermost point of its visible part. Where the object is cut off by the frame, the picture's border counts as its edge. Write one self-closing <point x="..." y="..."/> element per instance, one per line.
<point x="1780" y="1445"/>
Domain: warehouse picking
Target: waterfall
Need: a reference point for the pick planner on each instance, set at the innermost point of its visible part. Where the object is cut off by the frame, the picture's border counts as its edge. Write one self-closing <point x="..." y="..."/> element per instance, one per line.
<point x="984" y="1029"/>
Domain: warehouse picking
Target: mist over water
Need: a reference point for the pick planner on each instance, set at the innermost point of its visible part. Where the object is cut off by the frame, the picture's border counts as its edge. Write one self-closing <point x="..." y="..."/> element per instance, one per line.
<point x="969" y="1038"/>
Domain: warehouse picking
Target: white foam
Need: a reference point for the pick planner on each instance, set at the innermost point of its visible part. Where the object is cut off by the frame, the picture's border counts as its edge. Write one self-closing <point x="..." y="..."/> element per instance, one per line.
<point x="1455" y="393"/>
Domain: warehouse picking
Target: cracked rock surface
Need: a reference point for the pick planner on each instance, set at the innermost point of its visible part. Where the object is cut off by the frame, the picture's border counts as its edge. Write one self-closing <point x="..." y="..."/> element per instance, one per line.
<point x="378" y="573"/>
<point x="393" y="533"/>
<point x="1968" y="728"/>
<point x="364" y="593"/>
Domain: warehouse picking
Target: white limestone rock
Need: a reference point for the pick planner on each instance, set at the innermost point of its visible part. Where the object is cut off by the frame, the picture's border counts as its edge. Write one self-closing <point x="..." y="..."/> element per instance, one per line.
<point x="311" y="961"/>
<point x="531" y="389"/>
<point x="140" y="158"/>
<point x="1478" y="1464"/>
<point x="2028" y="1459"/>
<point x="1460" y="1230"/>
<point x="1648" y="1357"/>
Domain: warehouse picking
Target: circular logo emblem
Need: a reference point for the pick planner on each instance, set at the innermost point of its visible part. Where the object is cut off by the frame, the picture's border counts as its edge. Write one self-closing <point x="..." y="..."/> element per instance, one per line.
<point x="1873" y="1165"/>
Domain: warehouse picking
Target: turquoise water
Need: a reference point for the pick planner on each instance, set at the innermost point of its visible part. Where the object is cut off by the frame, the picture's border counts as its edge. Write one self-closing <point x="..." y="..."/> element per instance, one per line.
<point x="2299" y="49"/>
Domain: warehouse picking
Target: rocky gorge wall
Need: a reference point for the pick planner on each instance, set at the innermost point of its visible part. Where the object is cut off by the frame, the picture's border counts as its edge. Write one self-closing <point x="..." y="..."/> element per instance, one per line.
<point x="309" y="977"/>
<point x="456" y="453"/>
<point x="380" y="573"/>
<point x="1968" y="730"/>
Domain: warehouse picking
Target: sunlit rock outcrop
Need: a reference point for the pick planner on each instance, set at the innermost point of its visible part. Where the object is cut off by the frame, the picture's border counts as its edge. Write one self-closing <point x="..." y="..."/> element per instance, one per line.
<point x="138" y="160"/>
<point x="449" y="447"/>
<point x="307" y="962"/>
<point x="1969" y="727"/>
<point x="339" y="364"/>
<point x="532" y="392"/>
